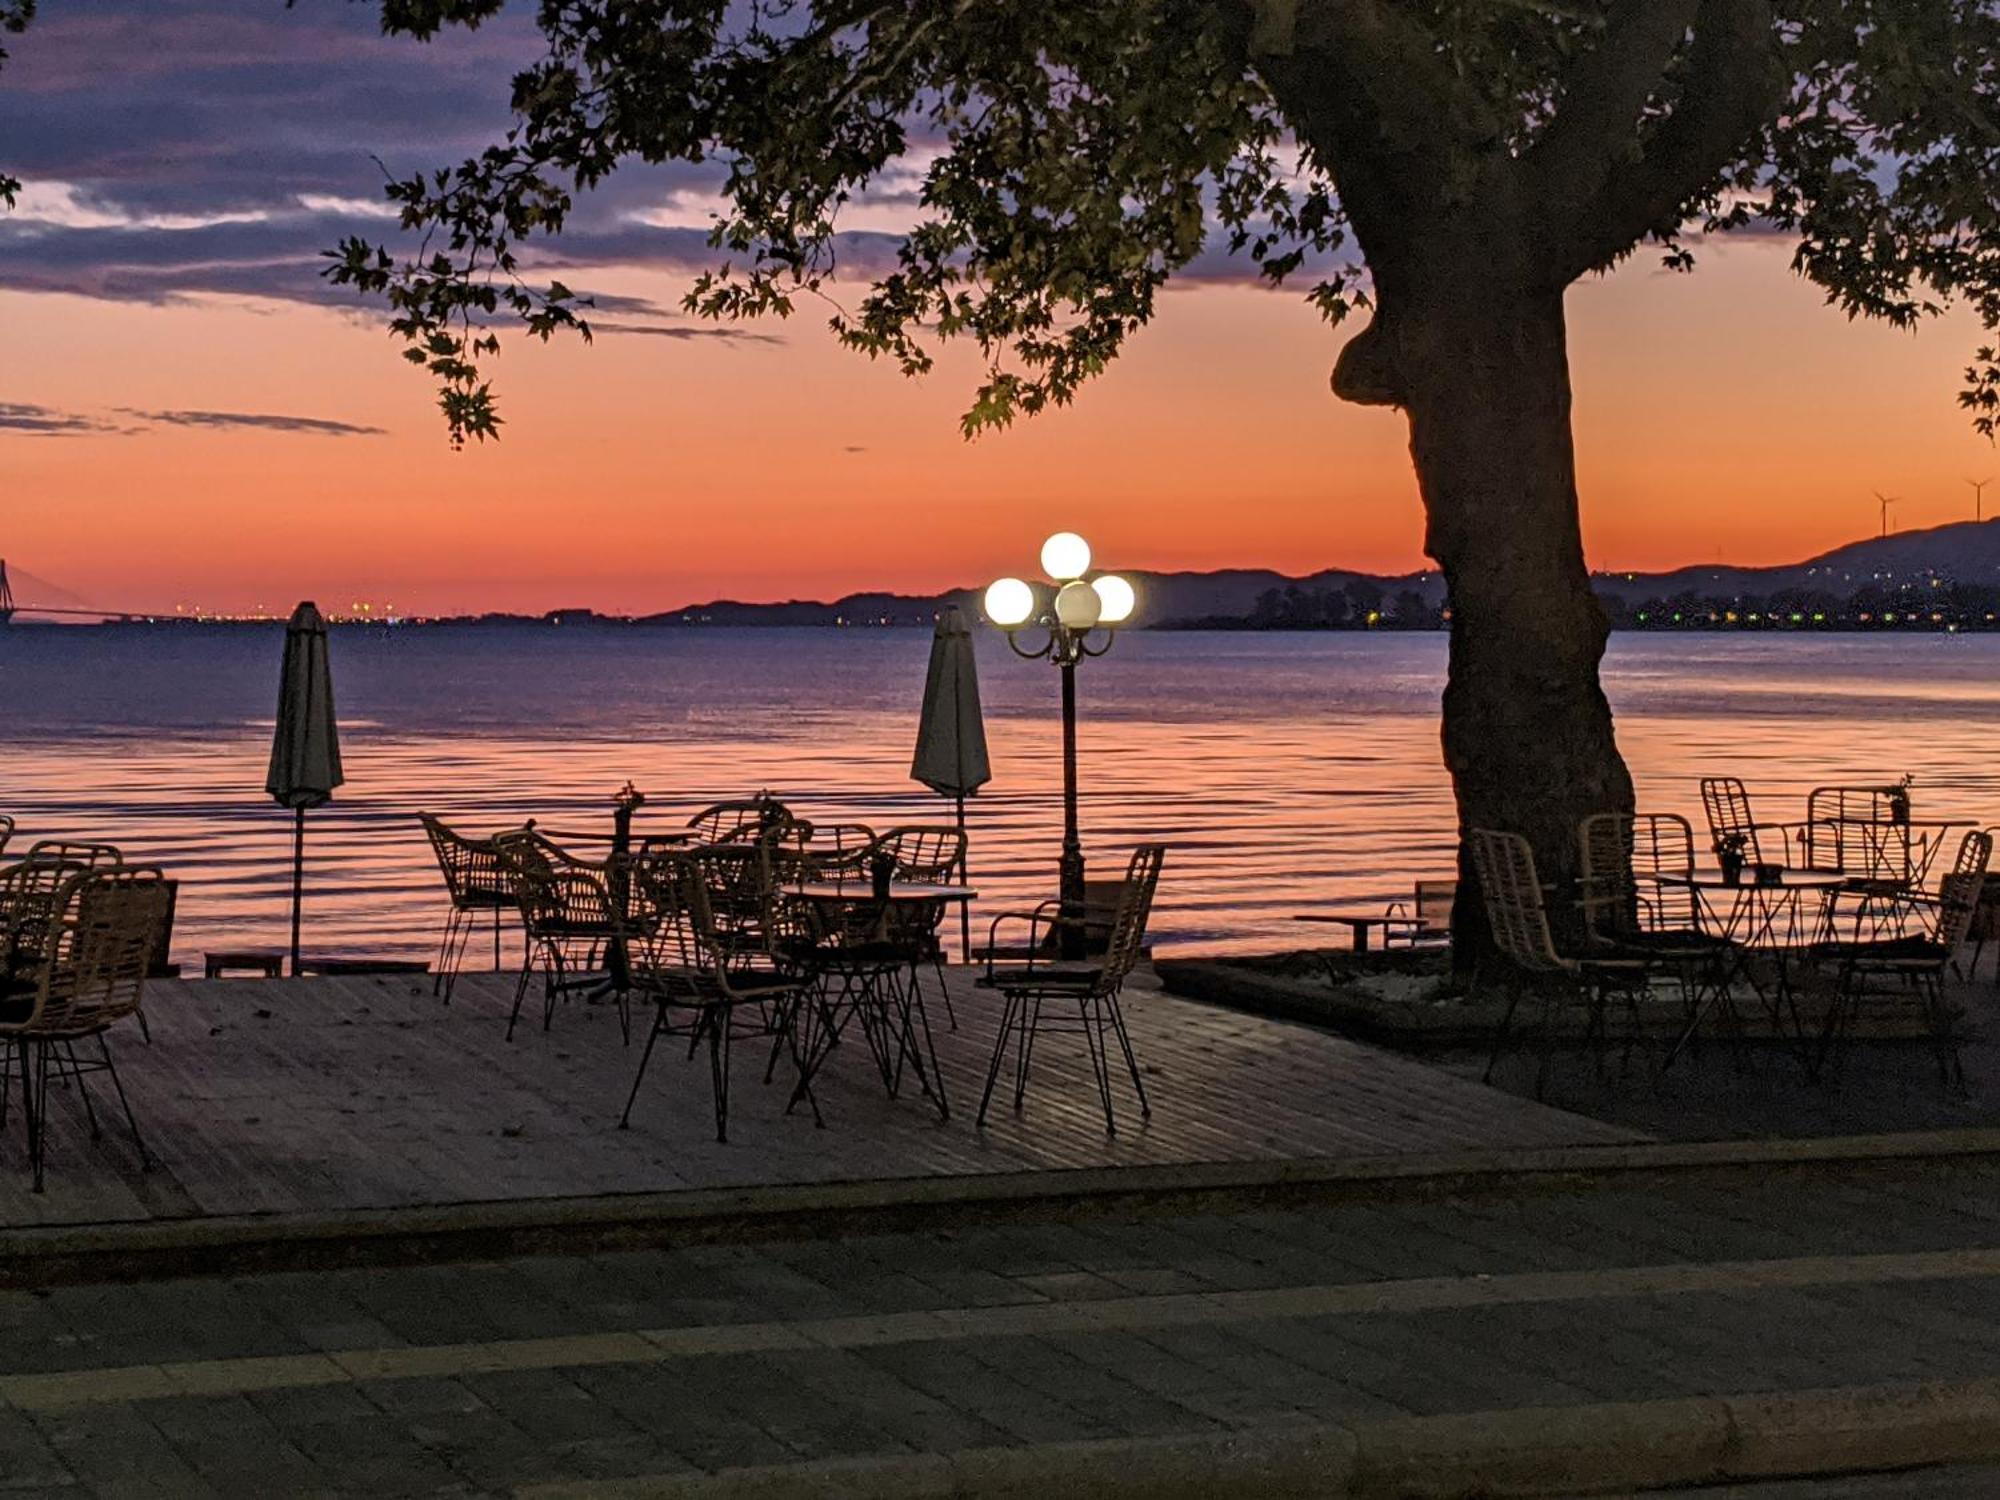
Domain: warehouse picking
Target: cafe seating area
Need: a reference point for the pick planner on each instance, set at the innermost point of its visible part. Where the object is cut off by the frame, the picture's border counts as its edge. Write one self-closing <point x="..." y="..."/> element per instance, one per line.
<point x="1797" y="927"/>
<point x="747" y="923"/>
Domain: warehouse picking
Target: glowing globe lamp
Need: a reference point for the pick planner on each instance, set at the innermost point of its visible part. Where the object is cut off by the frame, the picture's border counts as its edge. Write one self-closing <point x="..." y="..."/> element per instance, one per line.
<point x="1115" y="599"/>
<point x="1077" y="606"/>
<point x="1009" y="603"/>
<point x="1065" y="556"/>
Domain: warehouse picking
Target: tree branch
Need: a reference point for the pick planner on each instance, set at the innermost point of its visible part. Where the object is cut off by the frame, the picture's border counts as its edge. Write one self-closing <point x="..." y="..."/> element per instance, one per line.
<point x="1602" y="97"/>
<point x="1733" y="86"/>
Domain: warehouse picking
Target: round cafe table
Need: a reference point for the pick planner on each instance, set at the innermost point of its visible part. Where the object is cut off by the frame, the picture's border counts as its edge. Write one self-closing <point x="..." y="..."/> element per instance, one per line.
<point x="1776" y="917"/>
<point x="865" y="972"/>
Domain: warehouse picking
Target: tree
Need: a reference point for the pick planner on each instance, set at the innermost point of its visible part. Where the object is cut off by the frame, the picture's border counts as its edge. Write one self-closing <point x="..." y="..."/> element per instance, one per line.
<point x="1448" y="166"/>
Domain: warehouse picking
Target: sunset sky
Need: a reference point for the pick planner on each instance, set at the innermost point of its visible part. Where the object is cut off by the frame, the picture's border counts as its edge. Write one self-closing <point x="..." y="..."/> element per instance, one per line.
<point x="188" y="417"/>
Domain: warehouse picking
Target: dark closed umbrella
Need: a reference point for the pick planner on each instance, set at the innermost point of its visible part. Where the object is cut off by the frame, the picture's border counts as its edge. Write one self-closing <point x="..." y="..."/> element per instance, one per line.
<point x="951" y="731"/>
<point x="305" y="748"/>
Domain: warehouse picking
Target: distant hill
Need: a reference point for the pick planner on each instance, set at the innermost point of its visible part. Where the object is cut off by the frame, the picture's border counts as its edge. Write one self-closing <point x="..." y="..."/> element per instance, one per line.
<point x="1966" y="552"/>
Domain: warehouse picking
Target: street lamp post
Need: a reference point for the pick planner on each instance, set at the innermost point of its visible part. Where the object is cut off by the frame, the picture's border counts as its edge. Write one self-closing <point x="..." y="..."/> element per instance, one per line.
<point x="1069" y="617"/>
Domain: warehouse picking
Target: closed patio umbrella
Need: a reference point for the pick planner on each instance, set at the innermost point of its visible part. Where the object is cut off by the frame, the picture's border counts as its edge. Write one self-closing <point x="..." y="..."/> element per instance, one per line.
<point x="305" y="750"/>
<point x="951" y="733"/>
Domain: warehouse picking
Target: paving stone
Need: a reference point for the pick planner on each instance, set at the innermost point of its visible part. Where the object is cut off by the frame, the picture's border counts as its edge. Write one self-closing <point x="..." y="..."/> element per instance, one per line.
<point x="118" y="1453"/>
<point x="28" y="1461"/>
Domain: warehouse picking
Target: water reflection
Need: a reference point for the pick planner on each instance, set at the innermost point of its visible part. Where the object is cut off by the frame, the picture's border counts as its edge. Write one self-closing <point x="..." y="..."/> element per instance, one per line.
<point x="1286" y="771"/>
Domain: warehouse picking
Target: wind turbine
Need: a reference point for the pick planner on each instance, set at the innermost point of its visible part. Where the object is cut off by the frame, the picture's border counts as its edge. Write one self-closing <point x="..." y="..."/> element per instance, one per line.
<point x="1978" y="497"/>
<point x="1885" y="501"/>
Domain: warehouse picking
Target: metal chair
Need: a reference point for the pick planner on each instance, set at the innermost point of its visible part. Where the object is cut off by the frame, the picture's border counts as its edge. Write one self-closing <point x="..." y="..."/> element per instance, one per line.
<point x="1733" y="825"/>
<point x="1916" y="961"/>
<point x="476" y="884"/>
<point x="86" y="972"/>
<point x="1518" y="916"/>
<point x="926" y="854"/>
<point x="1093" y="988"/>
<point x="702" y="979"/>
<point x="568" y="916"/>
<point x="1629" y="913"/>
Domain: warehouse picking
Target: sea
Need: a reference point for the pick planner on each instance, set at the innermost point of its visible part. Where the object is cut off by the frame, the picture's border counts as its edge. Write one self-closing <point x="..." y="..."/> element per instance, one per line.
<point x="1286" y="772"/>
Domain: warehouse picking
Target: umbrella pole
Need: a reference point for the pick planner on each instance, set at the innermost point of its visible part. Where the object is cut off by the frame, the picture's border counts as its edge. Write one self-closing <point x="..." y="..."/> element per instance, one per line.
<point x="298" y="879"/>
<point x="964" y="878"/>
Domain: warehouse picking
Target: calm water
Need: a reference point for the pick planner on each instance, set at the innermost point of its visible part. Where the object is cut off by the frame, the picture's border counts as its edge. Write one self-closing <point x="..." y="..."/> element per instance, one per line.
<point x="1285" y="770"/>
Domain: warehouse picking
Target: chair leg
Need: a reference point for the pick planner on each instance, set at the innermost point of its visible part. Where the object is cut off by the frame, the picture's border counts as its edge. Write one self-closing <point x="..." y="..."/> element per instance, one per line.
<point x="82" y="1090"/>
<point x="1131" y="1061"/>
<point x="118" y="1087"/>
<point x="718" y="1066"/>
<point x="1024" y="1048"/>
<point x="35" y="1073"/>
<point x="446" y="944"/>
<point x="944" y="989"/>
<point x="1008" y="1012"/>
<point x="1090" y="1013"/>
<point x="1506" y="1029"/>
<point x="520" y="994"/>
<point x="659" y="1025"/>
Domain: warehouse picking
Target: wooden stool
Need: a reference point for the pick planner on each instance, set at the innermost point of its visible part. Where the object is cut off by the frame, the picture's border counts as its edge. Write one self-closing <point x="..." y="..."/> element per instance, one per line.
<point x="268" y="965"/>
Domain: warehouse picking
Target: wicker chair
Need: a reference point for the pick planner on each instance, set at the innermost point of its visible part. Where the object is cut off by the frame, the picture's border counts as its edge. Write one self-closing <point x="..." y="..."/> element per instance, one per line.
<point x="1092" y="988"/>
<point x="704" y="980"/>
<point x="1628" y="913"/>
<point x="476" y="885"/>
<point x="64" y="851"/>
<point x="1518" y="917"/>
<point x="568" y="916"/>
<point x="86" y="972"/>
<point x="1916" y="961"/>
<point x="6" y="831"/>
<point x="738" y="822"/>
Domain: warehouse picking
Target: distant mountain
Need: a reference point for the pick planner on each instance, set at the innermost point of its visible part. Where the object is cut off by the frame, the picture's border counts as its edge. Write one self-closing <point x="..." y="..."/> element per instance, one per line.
<point x="1964" y="552"/>
<point x="1165" y="599"/>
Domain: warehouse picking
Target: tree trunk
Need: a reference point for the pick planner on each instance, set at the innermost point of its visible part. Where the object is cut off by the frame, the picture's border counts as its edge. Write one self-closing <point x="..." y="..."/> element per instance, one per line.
<point x="1484" y="377"/>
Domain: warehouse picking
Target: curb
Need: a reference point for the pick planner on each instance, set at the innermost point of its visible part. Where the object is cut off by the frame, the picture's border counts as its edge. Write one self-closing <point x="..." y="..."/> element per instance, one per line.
<point x="1537" y="1451"/>
<point x="234" y="1245"/>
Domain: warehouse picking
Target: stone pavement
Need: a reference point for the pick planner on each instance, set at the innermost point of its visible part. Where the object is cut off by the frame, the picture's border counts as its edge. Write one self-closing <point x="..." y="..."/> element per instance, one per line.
<point x="611" y="1374"/>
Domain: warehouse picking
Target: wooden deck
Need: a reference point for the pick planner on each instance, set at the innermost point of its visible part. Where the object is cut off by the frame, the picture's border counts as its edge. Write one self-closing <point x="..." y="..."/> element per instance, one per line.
<point x="327" y="1094"/>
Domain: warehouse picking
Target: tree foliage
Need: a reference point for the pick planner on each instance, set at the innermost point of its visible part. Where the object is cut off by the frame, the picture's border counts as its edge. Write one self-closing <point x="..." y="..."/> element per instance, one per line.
<point x="1076" y="157"/>
<point x="14" y="18"/>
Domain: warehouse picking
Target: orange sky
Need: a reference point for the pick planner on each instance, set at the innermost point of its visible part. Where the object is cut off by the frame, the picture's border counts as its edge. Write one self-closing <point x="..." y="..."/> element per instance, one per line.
<point x="1724" y="413"/>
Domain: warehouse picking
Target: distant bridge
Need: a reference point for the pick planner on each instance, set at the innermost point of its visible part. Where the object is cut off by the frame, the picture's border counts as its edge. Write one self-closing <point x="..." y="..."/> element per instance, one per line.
<point x="10" y="608"/>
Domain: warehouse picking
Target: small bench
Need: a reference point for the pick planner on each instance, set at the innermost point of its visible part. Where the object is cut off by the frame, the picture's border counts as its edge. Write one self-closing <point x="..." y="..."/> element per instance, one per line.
<point x="266" y="964"/>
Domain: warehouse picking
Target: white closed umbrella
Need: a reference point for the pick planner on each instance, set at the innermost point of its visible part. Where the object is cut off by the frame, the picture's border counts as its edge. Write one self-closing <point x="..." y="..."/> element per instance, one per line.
<point x="305" y="749"/>
<point x="951" y="732"/>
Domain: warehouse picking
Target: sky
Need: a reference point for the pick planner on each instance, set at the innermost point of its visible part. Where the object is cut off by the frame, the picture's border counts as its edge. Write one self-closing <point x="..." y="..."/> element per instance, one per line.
<point x="190" y="418"/>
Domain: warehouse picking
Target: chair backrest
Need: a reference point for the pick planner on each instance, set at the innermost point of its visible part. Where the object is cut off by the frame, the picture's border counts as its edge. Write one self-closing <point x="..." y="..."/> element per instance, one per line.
<point x="835" y="851"/>
<point x="1861" y="830"/>
<point x="1435" y="901"/>
<point x="740" y="893"/>
<point x="1127" y="942"/>
<point x="736" y="822"/>
<point x="6" y="831"/>
<point x="1512" y="894"/>
<point x="97" y="949"/>
<point x="925" y="854"/>
<point x="1960" y="889"/>
<point x="1727" y="804"/>
<point x="553" y="888"/>
<point x="30" y="895"/>
<point x="471" y="867"/>
<point x="66" y="852"/>
<point x="1619" y="852"/>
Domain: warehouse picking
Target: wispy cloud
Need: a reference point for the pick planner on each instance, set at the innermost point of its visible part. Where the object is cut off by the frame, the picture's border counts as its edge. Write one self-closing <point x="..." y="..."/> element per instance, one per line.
<point x="45" y="421"/>
<point x="688" y="332"/>
<point x="320" y="426"/>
